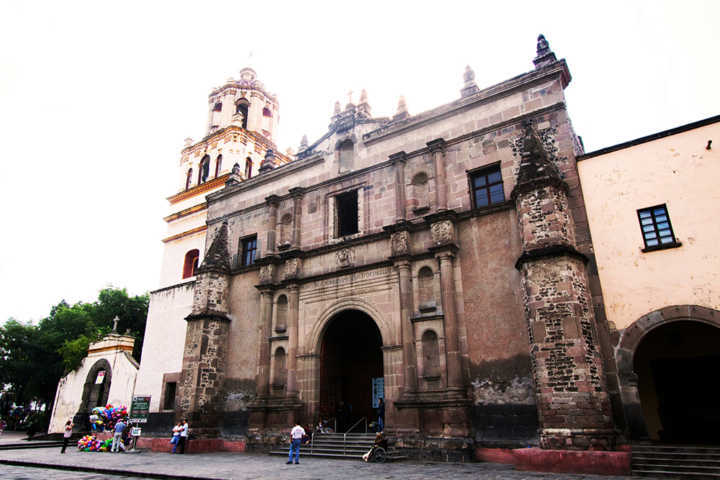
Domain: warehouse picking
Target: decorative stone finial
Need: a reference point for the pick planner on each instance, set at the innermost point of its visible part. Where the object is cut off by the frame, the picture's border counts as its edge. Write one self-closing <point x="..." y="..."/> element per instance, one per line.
<point x="268" y="162"/>
<point x="115" y="322"/>
<point x="217" y="258"/>
<point x="364" y="107"/>
<point x="402" y="111"/>
<point x="337" y="109"/>
<point x="545" y="56"/>
<point x="350" y="103"/>
<point x="303" y="143"/>
<point x="470" y="87"/>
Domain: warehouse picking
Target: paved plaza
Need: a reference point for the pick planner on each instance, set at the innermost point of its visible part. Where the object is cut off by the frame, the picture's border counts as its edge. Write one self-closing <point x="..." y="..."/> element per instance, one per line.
<point x="228" y="466"/>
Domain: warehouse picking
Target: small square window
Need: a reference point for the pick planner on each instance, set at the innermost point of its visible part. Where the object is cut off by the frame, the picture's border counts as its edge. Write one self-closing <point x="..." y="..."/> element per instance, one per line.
<point x="487" y="187"/>
<point x="249" y="248"/>
<point x="656" y="229"/>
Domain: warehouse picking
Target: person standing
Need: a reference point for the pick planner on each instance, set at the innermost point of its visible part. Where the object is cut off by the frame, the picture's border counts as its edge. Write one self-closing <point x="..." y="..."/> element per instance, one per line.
<point x="184" y="432"/>
<point x="66" y="435"/>
<point x="296" y="435"/>
<point x="381" y="414"/>
<point x="176" y="436"/>
<point x="117" y="436"/>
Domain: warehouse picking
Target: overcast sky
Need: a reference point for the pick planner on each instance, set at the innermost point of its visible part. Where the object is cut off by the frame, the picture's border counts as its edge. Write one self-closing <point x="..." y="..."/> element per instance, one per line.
<point x="97" y="97"/>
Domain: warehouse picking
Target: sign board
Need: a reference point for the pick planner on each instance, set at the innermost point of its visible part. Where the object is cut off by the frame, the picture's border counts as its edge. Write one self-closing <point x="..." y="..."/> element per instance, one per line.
<point x="135" y="431"/>
<point x="139" y="409"/>
<point x="100" y="377"/>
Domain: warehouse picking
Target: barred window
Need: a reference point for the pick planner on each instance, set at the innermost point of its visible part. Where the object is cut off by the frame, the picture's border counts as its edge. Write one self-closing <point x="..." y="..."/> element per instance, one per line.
<point x="656" y="229"/>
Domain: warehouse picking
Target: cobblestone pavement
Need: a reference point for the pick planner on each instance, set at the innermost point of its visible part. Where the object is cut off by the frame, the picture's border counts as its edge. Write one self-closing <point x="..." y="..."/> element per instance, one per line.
<point x="245" y="466"/>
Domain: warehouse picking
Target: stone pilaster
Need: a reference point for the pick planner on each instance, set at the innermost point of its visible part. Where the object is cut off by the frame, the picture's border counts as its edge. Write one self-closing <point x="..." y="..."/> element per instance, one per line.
<point x="297" y="196"/>
<point x="437" y="150"/>
<point x="272" y="202"/>
<point x="399" y="160"/>
<point x="573" y="404"/>
<point x="294" y="315"/>
<point x="265" y="330"/>
<point x="204" y="355"/>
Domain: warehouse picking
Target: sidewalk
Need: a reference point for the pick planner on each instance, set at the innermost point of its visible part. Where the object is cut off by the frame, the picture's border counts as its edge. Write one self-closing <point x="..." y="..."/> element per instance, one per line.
<point x="238" y="466"/>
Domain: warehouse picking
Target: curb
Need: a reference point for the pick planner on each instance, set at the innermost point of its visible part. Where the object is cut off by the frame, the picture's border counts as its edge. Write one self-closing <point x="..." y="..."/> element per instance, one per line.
<point x="106" y="471"/>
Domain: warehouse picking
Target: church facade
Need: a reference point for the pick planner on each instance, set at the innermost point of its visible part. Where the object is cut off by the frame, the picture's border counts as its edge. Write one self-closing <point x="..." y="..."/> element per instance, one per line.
<point x="441" y="261"/>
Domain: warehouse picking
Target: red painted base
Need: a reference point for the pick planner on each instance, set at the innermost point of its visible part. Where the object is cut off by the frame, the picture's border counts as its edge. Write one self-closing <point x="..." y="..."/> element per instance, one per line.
<point x="560" y="461"/>
<point x="198" y="445"/>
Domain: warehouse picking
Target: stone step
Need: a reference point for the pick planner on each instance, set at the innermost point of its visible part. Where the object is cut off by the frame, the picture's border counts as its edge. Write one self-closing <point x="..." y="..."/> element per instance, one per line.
<point x="675" y="460"/>
<point x="672" y="474"/>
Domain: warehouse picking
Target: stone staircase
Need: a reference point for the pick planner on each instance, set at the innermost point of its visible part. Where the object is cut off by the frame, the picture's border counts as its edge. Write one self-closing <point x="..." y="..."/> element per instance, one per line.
<point x="350" y="446"/>
<point x="676" y="461"/>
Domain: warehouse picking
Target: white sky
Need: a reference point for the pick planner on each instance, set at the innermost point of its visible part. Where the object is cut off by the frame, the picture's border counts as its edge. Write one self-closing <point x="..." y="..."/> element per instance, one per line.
<point x="97" y="97"/>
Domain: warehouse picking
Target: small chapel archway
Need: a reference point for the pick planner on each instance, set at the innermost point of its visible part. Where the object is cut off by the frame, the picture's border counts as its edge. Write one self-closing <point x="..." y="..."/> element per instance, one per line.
<point x="95" y="391"/>
<point x="351" y="368"/>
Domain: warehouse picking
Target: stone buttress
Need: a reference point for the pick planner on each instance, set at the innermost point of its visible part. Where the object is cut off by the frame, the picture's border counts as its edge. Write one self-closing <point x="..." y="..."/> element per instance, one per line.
<point x="572" y="400"/>
<point x="204" y="355"/>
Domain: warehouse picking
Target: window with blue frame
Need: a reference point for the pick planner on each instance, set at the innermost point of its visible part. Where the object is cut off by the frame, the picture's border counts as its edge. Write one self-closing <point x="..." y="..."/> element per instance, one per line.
<point x="487" y="187"/>
<point x="656" y="228"/>
<point x="249" y="248"/>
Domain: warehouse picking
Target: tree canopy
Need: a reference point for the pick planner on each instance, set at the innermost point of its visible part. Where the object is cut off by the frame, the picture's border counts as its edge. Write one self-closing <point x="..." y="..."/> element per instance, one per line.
<point x="33" y="358"/>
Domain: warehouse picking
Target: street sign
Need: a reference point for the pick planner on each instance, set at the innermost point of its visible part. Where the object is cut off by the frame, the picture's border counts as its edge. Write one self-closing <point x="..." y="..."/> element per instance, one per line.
<point x="139" y="409"/>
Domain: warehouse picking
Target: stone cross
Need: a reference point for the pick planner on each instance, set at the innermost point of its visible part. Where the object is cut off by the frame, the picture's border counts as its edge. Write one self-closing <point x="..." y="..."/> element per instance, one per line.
<point x="115" y="322"/>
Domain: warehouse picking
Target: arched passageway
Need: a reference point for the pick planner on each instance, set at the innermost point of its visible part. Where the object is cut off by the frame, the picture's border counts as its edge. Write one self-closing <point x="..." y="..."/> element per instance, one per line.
<point x="677" y="367"/>
<point x="351" y="362"/>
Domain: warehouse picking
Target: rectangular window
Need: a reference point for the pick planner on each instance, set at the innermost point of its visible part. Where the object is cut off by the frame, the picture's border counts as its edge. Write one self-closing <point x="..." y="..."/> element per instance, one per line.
<point x="249" y="247"/>
<point x="170" y="390"/>
<point x="346" y="208"/>
<point x="487" y="187"/>
<point x="656" y="229"/>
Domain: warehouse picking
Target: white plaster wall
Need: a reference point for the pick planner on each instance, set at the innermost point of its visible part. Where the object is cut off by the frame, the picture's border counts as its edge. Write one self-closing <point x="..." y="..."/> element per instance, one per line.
<point x="679" y="172"/>
<point x="164" y="339"/>
<point x="70" y="388"/>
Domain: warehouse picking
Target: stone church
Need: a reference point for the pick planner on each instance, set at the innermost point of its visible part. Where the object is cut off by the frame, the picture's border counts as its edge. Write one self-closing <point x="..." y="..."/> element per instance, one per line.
<point x="441" y="261"/>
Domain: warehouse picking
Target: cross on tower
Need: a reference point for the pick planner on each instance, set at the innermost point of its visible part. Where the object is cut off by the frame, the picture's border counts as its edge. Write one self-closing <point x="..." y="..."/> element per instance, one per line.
<point x="350" y="92"/>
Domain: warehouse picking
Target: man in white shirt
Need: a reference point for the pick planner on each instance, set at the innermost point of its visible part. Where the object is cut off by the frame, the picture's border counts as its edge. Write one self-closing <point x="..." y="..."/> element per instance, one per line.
<point x="296" y="435"/>
<point x="184" y="432"/>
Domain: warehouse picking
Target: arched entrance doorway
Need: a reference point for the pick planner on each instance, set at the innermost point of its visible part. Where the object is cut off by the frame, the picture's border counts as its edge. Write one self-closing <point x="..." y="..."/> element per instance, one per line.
<point x="677" y="366"/>
<point x="351" y="363"/>
<point x="95" y="392"/>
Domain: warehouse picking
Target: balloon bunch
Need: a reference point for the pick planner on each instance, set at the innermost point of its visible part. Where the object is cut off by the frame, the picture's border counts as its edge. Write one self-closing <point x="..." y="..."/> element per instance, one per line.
<point x="89" y="443"/>
<point x="110" y="415"/>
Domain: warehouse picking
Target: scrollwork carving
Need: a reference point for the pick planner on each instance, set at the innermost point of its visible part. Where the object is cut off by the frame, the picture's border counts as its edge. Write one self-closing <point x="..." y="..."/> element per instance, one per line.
<point x="442" y="232"/>
<point x="292" y="268"/>
<point x="266" y="273"/>
<point x="345" y="257"/>
<point x="400" y="243"/>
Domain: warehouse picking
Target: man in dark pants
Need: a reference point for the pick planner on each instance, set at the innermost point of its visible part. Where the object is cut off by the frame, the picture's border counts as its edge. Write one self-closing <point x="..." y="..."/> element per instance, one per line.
<point x="381" y="414"/>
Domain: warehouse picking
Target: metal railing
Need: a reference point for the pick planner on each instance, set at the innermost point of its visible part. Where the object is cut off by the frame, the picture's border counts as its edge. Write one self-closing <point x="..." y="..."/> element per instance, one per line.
<point x="363" y="419"/>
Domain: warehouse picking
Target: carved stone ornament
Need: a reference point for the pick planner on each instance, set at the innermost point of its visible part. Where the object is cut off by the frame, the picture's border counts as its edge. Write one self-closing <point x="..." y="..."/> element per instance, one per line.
<point x="442" y="232"/>
<point x="400" y="243"/>
<point x="345" y="257"/>
<point x="266" y="273"/>
<point x="292" y="268"/>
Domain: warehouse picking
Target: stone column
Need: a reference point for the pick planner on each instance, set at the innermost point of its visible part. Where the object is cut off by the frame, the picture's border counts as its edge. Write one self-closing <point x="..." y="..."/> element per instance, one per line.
<point x="452" y="345"/>
<point x="437" y="150"/>
<point x="272" y="202"/>
<point x="297" y="196"/>
<point x="294" y="315"/>
<point x="572" y="399"/>
<point x="399" y="160"/>
<point x="265" y="328"/>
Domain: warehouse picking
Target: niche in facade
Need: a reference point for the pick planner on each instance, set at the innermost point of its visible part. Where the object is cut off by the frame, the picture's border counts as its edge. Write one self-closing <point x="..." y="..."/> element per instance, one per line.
<point x="279" y="371"/>
<point x="426" y="292"/>
<point x="285" y="231"/>
<point x="419" y="195"/>
<point x="430" y="355"/>
<point x="345" y="155"/>
<point x="282" y="313"/>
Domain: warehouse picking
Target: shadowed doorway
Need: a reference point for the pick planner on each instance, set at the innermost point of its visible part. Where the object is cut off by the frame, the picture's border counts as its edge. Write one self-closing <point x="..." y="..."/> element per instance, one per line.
<point x="677" y="366"/>
<point x="351" y="357"/>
